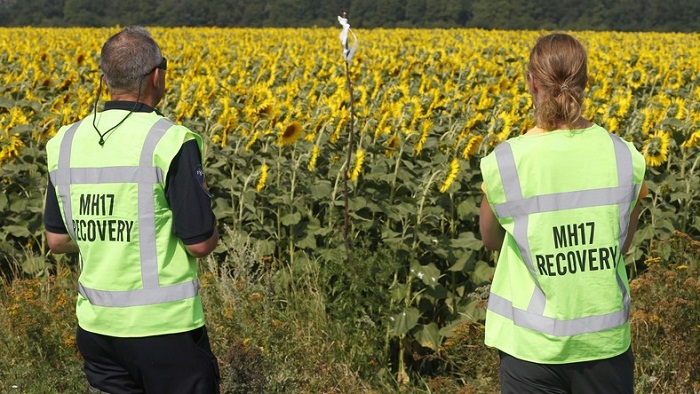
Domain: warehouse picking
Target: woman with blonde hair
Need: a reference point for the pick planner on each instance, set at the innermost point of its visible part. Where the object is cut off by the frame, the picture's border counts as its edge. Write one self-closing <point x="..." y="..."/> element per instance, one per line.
<point x="561" y="205"/>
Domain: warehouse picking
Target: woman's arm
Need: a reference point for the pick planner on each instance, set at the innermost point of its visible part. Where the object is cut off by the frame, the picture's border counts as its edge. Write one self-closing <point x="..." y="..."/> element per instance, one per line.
<point x="492" y="234"/>
<point x="632" y="227"/>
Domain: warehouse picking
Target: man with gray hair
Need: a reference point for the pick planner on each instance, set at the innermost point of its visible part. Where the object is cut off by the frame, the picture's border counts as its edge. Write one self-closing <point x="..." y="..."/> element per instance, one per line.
<point x="126" y="191"/>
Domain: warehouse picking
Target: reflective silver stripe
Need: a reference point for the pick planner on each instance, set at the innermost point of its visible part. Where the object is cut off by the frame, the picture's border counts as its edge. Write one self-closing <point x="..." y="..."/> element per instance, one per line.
<point x="140" y="296"/>
<point x="147" y="211"/>
<point x="625" y="176"/>
<point x="568" y="200"/>
<point x="145" y="175"/>
<point x="553" y="326"/>
<point x="513" y="192"/>
<point x="124" y="174"/>
<point x="508" y="171"/>
<point x="519" y="208"/>
<point x="64" y="163"/>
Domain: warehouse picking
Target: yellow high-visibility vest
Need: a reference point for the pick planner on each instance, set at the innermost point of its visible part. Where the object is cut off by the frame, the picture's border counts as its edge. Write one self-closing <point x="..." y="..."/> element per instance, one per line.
<point x="560" y="292"/>
<point x="137" y="278"/>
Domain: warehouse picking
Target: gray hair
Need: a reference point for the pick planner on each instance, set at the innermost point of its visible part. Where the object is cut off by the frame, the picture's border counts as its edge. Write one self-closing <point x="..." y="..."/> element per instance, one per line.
<point x="127" y="57"/>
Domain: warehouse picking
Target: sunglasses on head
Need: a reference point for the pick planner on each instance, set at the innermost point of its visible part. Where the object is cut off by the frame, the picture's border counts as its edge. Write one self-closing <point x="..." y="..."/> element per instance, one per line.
<point x="163" y="65"/>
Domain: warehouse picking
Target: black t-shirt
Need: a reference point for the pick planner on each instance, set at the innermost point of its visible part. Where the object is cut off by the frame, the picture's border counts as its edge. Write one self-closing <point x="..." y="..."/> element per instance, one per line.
<point x="185" y="191"/>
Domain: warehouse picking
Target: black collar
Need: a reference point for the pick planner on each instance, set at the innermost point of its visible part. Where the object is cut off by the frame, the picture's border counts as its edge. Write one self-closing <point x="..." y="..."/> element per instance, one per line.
<point x="130" y="106"/>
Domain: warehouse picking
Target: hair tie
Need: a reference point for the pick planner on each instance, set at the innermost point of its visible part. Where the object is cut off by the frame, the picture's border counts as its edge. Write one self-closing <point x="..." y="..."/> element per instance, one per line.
<point x="564" y="87"/>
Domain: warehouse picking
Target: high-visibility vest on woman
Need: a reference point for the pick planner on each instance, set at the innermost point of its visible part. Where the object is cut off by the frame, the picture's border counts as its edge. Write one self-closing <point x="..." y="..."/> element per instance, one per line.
<point x="137" y="278"/>
<point x="560" y="292"/>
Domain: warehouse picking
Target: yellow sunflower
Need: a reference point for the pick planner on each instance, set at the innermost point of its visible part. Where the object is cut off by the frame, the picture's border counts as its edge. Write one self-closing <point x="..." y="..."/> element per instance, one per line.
<point x="655" y="149"/>
<point x="314" y="158"/>
<point x="250" y="143"/>
<point x="677" y="109"/>
<point x="472" y="146"/>
<point x="359" y="159"/>
<point x="649" y="120"/>
<point x="693" y="140"/>
<point x="637" y="77"/>
<point x="335" y="135"/>
<point x="290" y="134"/>
<point x="12" y="149"/>
<point x="264" y="110"/>
<point x="613" y="124"/>
<point x="263" y="177"/>
<point x="504" y="122"/>
<point x="392" y="145"/>
<point x="451" y="176"/>
<point x="426" y="128"/>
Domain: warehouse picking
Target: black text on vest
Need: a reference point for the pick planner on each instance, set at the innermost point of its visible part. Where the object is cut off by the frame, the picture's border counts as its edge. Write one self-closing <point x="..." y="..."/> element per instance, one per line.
<point x="104" y="228"/>
<point x="571" y="256"/>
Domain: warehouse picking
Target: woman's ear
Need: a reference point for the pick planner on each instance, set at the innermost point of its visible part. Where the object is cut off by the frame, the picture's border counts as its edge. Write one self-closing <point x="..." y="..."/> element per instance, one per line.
<point x="534" y="88"/>
<point x="532" y="83"/>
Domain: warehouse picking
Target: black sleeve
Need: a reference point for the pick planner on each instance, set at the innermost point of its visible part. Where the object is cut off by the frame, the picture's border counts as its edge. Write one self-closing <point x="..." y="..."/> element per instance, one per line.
<point x="189" y="197"/>
<point x="53" y="221"/>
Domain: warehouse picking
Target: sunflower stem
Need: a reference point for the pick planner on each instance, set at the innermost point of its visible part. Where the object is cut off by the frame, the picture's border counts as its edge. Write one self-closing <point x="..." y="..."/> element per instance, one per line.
<point x="351" y="134"/>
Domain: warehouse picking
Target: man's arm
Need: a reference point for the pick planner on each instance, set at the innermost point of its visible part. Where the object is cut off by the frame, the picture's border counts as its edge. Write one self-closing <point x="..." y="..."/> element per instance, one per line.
<point x="189" y="199"/>
<point x="202" y="249"/>
<point x="56" y="234"/>
<point x="61" y="243"/>
<point x="492" y="234"/>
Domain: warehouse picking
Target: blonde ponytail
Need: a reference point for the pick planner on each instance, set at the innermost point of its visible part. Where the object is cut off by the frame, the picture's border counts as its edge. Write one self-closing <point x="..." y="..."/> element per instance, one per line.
<point x="559" y="65"/>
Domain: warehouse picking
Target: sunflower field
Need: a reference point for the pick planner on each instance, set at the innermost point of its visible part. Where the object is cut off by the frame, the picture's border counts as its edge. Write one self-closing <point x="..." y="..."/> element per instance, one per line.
<point x="316" y="178"/>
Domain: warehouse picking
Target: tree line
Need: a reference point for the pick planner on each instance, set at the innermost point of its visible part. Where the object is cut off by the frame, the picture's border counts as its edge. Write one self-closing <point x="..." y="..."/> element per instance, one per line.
<point x="610" y="15"/>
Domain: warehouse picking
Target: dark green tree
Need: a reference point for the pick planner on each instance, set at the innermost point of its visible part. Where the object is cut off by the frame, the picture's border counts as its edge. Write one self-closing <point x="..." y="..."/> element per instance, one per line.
<point x="373" y="13"/>
<point x="89" y="13"/>
<point x="415" y="12"/>
<point x="504" y="15"/>
<point x="254" y="14"/>
<point x="326" y="12"/>
<point x="184" y="13"/>
<point x="617" y="15"/>
<point x="226" y="12"/>
<point x="590" y="17"/>
<point x="130" y="12"/>
<point x="34" y="12"/>
<point x="445" y="13"/>
<point x="290" y="13"/>
<point x="676" y="15"/>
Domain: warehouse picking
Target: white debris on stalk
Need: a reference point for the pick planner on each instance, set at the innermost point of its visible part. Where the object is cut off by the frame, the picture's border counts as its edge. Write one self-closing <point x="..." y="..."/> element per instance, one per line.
<point x="348" y="52"/>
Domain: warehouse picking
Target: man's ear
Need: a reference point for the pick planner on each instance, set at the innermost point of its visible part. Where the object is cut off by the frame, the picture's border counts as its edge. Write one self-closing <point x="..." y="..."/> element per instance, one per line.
<point x="156" y="77"/>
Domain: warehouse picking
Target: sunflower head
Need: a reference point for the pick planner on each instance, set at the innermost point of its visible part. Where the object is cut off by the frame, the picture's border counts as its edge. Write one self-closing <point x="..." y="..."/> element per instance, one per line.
<point x="451" y="175"/>
<point x="12" y="149"/>
<point x="263" y="177"/>
<point x="357" y="168"/>
<point x="314" y="158"/>
<point x="472" y="146"/>
<point x="264" y="110"/>
<point x="693" y="140"/>
<point x="392" y="145"/>
<point x="290" y="134"/>
<point x="655" y="148"/>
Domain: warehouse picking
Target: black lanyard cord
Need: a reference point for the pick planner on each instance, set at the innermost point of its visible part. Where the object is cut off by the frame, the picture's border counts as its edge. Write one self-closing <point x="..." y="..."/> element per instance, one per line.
<point x="94" y="118"/>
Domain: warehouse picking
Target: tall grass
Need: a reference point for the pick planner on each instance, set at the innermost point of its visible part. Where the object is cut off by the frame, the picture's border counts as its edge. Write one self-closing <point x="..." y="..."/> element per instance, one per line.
<point x="321" y="327"/>
<point x="270" y="326"/>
